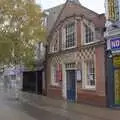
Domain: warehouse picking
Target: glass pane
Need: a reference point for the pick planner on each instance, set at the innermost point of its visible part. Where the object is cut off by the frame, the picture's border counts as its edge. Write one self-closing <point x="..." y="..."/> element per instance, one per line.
<point x="70" y="40"/>
<point x="90" y="73"/>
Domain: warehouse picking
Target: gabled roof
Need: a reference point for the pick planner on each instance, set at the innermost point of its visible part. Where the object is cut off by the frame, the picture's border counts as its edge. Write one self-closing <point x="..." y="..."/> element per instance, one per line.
<point x="73" y="7"/>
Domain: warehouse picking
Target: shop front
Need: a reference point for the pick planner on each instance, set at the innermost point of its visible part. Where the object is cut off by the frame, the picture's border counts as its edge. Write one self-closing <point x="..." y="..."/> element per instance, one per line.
<point x="113" y="72"/>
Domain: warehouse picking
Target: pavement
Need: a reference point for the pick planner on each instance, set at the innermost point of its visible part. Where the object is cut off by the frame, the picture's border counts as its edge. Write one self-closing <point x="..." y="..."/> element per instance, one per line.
<point x="12" y="108"/>
<point x="28" y="106"/>
<point x="72" y="111"/>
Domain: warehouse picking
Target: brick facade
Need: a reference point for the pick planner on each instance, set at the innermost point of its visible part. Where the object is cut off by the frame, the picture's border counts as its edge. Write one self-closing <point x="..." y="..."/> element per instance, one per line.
<point x="91" y="97"/>
<point x="79" y="14"/>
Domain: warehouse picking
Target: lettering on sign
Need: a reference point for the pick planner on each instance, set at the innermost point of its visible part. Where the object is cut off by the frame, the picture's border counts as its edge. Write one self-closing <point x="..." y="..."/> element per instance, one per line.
<point x="115" y="43"/>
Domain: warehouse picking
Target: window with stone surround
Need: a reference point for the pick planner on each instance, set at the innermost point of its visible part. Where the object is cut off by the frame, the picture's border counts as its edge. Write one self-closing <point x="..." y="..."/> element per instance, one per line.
<point x="70" y="35"/>
<point x="89" y="34"/>
<point x="53" y="75"/>
<point x="56" y="74"/>
<point x="89" y="69"/>
<point x="54" y="44"/>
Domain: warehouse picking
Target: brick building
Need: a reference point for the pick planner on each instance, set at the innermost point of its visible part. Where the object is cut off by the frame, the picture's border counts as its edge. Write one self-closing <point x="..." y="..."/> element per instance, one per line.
<point x="75" y="56"/>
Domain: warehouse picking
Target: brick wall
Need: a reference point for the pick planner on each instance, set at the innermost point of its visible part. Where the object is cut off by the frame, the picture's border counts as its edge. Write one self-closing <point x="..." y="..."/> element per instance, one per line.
<point x="91" y="97"/>
<point x="100" y="70"/>
<point x="98" y="96"/>
<point x="54" y="92"/>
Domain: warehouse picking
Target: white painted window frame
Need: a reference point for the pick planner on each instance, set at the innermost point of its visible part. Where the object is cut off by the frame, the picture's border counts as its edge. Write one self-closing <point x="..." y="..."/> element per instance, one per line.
<point x="52" y="44"/>
<point x="53" y="80"/>
<point x="64" y="36"/>
<point x="84" y="75"/>
<point x="92" y="27"/>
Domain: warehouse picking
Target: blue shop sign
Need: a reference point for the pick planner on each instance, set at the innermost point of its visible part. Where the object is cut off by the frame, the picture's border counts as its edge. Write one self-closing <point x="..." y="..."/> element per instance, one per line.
<point x="115" y="44"/>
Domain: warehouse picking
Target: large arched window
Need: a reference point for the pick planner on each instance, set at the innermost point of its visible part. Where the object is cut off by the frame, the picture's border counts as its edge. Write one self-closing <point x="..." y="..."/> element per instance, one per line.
<point x="70" y="35"/>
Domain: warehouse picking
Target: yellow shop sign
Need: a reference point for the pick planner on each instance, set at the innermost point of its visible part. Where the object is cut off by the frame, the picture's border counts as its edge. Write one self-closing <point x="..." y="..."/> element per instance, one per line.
<point x="116" y="61"/>
<point x="113" y="10"/>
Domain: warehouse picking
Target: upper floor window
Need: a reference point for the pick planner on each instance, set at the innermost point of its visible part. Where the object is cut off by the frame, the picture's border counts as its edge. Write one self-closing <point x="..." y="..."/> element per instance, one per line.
<point x="70" y="35"/>
<point x="89" y="36"/>
<point x="54" y="45"/>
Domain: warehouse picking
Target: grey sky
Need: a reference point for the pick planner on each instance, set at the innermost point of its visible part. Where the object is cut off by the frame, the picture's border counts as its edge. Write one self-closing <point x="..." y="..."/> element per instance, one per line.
<point x="95" y="5"/>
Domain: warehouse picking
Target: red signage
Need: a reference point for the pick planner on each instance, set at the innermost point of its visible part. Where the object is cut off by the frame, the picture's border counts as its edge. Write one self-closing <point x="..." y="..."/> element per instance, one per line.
<point x="59" y="73"/>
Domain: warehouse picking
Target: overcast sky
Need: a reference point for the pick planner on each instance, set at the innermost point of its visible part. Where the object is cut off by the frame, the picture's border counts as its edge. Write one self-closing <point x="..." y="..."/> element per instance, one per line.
<point x="95" y="5"/>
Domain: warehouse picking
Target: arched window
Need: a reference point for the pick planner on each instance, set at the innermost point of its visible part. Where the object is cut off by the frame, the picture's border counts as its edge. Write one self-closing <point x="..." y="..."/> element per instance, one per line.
<point x="70" y="35"/>
<point x="54" y="45"/>
<point x="89" y="35"/>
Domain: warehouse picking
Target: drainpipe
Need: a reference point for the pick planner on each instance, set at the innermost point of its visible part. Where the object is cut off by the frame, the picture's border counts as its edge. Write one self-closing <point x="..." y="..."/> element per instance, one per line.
<point x="36" y="82"/>
<point x="45" y="64"/>
<point x="106" y="71"/>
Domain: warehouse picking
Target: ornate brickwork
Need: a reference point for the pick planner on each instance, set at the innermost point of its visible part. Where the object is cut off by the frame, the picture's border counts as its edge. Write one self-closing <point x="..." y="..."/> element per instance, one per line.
<point x="86" y="53"/>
